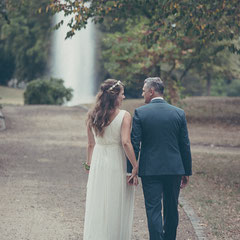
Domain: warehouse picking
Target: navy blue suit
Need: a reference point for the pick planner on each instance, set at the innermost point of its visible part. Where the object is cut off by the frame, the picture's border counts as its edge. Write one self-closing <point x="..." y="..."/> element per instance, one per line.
<point x="160" y="135"/>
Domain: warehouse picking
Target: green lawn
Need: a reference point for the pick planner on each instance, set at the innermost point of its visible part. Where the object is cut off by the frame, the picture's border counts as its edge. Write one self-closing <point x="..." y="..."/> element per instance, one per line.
<point x="11" y="96"/>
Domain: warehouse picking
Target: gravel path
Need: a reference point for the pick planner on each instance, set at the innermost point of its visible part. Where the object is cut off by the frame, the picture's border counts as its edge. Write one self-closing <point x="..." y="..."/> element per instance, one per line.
<point x="42" y="181"/>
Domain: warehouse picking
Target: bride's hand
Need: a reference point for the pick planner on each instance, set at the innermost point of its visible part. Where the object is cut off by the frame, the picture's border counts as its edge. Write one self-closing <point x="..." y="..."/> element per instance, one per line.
<point x="133" y="179"/>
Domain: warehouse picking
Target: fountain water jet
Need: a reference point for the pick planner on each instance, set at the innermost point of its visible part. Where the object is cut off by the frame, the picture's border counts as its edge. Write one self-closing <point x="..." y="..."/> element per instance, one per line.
<point x="73" y="61"/>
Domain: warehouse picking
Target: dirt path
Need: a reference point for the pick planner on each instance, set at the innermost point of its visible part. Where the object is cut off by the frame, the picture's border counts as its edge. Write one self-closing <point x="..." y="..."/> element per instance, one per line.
<point x="42" y="181"/>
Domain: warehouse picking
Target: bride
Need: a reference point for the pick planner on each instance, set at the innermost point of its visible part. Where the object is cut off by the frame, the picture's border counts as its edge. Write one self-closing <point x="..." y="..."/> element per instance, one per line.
<point x="110" y="193"/>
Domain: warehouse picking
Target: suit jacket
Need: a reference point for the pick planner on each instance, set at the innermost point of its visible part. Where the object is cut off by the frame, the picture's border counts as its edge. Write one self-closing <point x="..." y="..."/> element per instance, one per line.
<point x="159" y="133"/>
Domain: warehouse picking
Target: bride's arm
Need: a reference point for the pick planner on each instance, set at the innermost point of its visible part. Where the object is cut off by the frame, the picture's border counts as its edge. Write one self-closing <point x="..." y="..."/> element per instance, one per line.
<point x="126" y="142"/>
<point x="91" y="144"/>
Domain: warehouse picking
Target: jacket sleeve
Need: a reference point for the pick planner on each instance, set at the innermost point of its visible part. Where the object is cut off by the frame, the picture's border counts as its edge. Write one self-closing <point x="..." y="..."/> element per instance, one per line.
<point x="136" y="136"/>
<point x="184" y="144"/>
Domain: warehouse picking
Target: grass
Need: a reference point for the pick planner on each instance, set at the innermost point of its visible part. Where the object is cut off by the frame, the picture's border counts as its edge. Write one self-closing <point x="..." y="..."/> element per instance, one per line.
<point x="214" y="135"/>
<point x="11" y="96"/>
<point x="214" y="192"/>
<point x="212" y="109"/>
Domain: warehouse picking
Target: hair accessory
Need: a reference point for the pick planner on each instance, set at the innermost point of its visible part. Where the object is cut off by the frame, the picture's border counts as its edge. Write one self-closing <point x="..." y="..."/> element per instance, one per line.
<point x="116" y="84"/>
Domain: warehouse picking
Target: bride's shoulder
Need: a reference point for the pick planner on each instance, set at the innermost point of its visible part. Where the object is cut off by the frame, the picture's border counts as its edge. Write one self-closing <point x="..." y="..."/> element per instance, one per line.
<point x="126" y="119"/>
<point x="126" y="115"/>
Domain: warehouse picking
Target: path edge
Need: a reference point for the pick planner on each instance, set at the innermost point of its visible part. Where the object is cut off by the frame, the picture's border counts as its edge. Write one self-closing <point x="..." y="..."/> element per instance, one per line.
<point x="2" y="122"/>
<point x="194" y="219"/>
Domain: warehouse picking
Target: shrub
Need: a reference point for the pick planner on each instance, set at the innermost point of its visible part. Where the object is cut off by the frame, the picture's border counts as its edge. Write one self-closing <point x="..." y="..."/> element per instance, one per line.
<point x="233" y="89"/>
<point x="47" y="91"/>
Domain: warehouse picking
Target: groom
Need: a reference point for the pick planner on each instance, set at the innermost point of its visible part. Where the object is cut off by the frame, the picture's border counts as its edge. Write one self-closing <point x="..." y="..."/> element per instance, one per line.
<point x="160" y="134"/>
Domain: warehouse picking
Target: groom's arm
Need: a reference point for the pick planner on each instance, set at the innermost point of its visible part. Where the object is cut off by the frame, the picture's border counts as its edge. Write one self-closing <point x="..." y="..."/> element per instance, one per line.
<point x="185" y="147"/>
<point x="136" y="136"/>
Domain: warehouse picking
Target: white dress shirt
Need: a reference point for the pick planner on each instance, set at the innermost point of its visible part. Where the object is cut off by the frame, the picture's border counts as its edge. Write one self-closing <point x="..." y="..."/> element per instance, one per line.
<point x="157" y="98"/>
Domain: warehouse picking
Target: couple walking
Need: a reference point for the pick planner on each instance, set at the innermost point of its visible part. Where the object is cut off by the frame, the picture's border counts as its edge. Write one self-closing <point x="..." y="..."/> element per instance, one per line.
<point x="159" y="135"/>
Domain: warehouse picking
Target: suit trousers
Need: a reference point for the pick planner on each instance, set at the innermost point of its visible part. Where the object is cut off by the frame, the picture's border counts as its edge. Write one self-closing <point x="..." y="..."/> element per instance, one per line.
<point x="156" y="189"/>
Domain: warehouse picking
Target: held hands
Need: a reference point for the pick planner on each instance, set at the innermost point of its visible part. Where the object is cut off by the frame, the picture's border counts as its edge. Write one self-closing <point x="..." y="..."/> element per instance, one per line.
<point x="133" y="179"/>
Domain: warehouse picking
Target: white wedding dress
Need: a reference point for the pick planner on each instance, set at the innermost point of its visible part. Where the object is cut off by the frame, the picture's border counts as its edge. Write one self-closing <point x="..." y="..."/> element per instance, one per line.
<point x="110" y="200"/>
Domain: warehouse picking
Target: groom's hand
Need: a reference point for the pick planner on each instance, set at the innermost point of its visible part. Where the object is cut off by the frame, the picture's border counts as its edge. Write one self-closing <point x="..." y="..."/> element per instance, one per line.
<point x="184" y="181"/>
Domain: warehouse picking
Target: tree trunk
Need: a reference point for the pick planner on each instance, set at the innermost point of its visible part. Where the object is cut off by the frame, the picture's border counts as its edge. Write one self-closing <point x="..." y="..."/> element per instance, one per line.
<point x="158" y="71"/>
<point x="173" y="91"/>
<point x="208" y="84"/>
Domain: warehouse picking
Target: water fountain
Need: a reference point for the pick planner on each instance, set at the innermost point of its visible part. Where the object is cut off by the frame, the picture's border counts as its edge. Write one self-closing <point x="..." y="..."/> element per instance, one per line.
<point x="73" y="61"/>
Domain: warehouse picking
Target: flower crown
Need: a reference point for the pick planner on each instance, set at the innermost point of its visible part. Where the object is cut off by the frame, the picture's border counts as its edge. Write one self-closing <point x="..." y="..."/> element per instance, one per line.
<point x="116" y="84"/>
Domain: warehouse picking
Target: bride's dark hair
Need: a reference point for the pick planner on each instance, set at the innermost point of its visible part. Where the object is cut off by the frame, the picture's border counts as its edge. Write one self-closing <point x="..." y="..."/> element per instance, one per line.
<point x="106" y="103"/>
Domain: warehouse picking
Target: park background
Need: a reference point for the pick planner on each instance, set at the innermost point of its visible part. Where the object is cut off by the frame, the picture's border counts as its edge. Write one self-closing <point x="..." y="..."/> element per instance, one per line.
<point x="192" y="45"/>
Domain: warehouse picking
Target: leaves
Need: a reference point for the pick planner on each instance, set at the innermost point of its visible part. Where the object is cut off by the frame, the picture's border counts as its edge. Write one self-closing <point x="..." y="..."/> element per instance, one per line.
<point x="47" y="91"/>
<point x="26" y="40"/>
<point x="148" y="37"/>
<point x="201" y="19"/>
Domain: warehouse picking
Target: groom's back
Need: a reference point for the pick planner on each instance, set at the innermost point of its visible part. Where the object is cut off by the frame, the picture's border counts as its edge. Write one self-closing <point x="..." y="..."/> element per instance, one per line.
<point x="161" y="126"/>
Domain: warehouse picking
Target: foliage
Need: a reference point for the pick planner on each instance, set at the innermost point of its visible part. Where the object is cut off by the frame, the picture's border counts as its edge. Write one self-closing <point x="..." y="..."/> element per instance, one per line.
<point x="215" y="71"/>
<point x="207" y="21"/>
<point x="123" y="57"/>
<point x="47" y="91"/>
<point x="127" y="57"/>
<point x="233" y="90"/>
<point x="24" y="40"/>
<point x="3" y="10"/>
<point x="163" y="38"/>
<point x="6" y="66"/>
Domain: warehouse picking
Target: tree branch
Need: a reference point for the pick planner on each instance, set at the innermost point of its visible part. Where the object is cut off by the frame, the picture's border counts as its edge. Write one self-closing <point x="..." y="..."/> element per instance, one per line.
<point x="190" y="64"/>
<point x="173" y="67"/>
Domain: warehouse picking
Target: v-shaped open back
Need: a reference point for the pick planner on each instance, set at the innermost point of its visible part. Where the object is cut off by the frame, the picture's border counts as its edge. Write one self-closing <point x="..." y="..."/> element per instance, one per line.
<point x="112" y="133"/>
<point x="115" y="117"/>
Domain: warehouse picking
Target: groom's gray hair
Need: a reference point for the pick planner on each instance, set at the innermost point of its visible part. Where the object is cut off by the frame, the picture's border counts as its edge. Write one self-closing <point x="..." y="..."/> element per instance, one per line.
<point x="156" y="83"/>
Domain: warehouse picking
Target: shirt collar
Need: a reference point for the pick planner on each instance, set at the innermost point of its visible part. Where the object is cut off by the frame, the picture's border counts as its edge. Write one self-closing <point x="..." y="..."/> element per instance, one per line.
<point x="157" y="98"/>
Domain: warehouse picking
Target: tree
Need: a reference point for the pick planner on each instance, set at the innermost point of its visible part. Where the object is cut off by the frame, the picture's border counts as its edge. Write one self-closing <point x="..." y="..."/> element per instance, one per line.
<point x="169" y="35"/>
<point x="6" y="66"/>
<point x="3" y="11"/>
<point x="215" y="20"/>
<point x="24" y="39"/>
<point x="127" y="56"/>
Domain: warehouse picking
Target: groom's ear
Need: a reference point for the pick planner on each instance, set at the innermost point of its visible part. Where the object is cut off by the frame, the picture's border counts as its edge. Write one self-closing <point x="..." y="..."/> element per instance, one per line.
<point x="151" y="91"/>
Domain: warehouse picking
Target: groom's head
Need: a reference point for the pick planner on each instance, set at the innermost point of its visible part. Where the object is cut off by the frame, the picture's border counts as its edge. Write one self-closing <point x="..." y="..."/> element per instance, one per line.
<point x="153" y="87"/>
